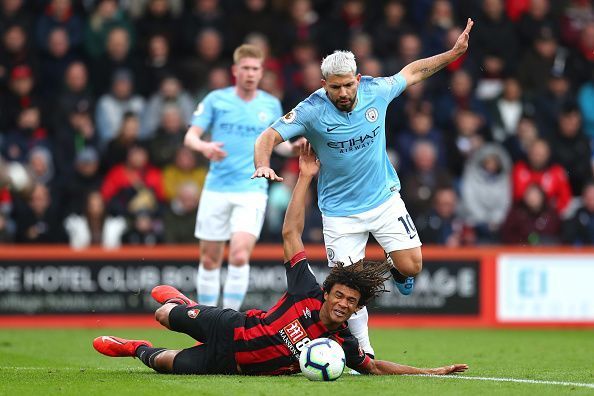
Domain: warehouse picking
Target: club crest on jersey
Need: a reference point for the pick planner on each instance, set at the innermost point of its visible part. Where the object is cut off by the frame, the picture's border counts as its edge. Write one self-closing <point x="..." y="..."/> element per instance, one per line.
<point x="192" y="313"/>
<point x="371" y="114"/>
<point x="263" y="116"/>
<point x="289" y="117"/>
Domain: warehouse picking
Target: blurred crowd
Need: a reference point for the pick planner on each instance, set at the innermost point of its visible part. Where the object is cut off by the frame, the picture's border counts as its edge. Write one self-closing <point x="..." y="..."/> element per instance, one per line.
<point x="96" y="95"/>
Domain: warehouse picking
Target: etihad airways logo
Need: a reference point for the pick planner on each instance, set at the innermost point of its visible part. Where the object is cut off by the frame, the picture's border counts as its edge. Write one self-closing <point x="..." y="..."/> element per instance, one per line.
<point x="354" y="144"/>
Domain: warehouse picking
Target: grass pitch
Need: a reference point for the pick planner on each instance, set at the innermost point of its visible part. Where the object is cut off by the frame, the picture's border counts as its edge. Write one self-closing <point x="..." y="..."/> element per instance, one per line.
<point x="63" y="362"/>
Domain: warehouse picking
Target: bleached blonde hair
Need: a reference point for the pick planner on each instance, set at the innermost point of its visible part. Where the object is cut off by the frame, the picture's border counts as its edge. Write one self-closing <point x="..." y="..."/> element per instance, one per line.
<point x="339" y="63"/>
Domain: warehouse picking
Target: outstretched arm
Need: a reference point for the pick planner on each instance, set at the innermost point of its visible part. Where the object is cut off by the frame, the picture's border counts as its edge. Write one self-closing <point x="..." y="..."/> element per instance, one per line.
<point x="295" y="215"/>
<point x="421" y="69"/>
<point x="262" y="152"/>
<point x="382" y="367"/>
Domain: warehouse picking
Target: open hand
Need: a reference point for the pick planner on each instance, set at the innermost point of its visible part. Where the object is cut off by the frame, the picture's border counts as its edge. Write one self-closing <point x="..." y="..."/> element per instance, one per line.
<point x="213" y="151"/>
<point x="462" y="43"/>
<point x="267" y="173"/>
<point x="451" y="369"/>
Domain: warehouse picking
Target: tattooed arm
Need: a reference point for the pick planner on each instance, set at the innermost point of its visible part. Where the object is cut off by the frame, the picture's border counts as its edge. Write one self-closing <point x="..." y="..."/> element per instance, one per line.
<point x="419" y="70"/>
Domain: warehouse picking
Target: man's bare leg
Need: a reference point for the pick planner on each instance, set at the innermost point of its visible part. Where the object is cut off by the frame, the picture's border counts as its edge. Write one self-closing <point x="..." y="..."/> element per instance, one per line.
<point x="208" y="280"/>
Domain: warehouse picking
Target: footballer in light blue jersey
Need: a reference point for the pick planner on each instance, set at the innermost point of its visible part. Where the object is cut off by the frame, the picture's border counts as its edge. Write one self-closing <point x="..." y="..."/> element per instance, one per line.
<point x="232" y="205"/>
<point x="356" y="174"/>
<point x="357" y="187"/>
<point x="235" y="123"/>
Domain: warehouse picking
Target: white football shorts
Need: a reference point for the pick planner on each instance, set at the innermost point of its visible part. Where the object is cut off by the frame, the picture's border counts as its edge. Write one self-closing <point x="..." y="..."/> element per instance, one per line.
<point x="391" y="225"/>
<point x="222" y="214"/>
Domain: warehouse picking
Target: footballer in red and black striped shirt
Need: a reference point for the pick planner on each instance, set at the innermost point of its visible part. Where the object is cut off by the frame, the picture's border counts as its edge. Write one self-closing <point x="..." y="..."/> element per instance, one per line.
<point x="269" y="342"/>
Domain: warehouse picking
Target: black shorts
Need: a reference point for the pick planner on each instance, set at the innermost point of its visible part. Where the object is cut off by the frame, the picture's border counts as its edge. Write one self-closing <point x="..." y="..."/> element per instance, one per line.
<point x="213" y="327"/>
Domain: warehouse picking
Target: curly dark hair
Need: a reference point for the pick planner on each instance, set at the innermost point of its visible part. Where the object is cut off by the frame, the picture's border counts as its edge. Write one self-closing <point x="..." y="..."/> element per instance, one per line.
<point x="367" y="277"/>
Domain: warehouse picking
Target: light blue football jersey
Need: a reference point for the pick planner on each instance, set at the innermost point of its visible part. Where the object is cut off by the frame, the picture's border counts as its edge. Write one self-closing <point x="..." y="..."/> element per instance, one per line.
<point x="237" y="124"/>
<point x="355" y="174"/>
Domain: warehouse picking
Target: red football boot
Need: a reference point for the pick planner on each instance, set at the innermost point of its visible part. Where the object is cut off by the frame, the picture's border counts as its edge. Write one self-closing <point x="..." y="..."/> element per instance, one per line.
<point x="118" y="347"/>
<point x="164" y="294"/>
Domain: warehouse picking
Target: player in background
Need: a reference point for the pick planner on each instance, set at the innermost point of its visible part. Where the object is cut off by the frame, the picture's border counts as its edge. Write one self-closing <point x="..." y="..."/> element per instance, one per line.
<point x="269" y="342"/>
<point x="232" y="206"/>
<point x="358" y="189"/>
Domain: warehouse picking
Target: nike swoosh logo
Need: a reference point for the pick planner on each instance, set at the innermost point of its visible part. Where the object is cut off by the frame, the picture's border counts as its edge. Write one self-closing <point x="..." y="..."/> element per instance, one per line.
<point x="105" y="339"/>
<point x="411" y="237"/>
<point x="331" y="129"/>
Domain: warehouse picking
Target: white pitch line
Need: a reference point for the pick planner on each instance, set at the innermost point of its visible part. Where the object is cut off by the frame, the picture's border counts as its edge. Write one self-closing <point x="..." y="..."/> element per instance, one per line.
<point x="515" y="380"/>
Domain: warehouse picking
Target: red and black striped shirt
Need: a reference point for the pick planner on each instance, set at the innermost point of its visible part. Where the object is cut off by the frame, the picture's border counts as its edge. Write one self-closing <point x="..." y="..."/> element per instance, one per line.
<point x="269" y="342"/>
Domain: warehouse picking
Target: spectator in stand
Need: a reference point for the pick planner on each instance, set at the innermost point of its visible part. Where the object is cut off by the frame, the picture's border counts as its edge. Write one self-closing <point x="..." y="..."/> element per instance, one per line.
<point x="118" y="57"/>
<point x="41" y="168"/>
<point x="548" y="104"/>
<point x="537" y="64"/>
<point x="461" y="97"/>
<point x="60" y="13"/>
<point x="145" y="230"/>
<point x="37" y="218"/>
<point x="586" y="103"/>
<point x="85" y="179"/>
<point x="494" y="34"/>
<point x="409" y="50"/>
<point x="421" y="129"/>
<point x="117" y="148"/>
<point x="182" y="171"/>
<point x="301" y="24"/>
<point x="158" y="63"/>
<point x="466" y="137"/>
<point x="441" y="224"/>
<point x="486" y="191"/>
<point x="158" y="18"/>
<point x="169" y="136"/>
<point x="21" y="95"/>
<point x="579" y="229"/>
<point x="426" y="177"/>
<point x="77" y="134"/>
<point x="75" y="90"/>
<point x="393" y="24"/>
<point x="506" y="111"/>
<point x="28" y="134"/>
<point x="441" y="19"/>
<point x="571" y="147"/>
<point x="171" y="93"/>
<point x="536" y="17"/>
<point x="414" y="99"/>
<point x="112" y="106"/>
<point x="133" y="186"/>
<point x="15" y="51"/>
<point x="254" y="16"/>
<point x="55" y="62"/>
<point x="94" y="227"/>
<point x="203" y="14"/>
<point x="180" y="216"/>
<point x="517" y="145"/>
<point x="539" y="170"/>
<point x="14" y="12"/>
<point x="218" y="77"/>
<point x="207" y="53"/>
<point x="105" y="17"/>
<point x="371" y="67"/>
<point x="532" y="221"/>
<point x="302" y="54"/>
<point x="577" y="14"/>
